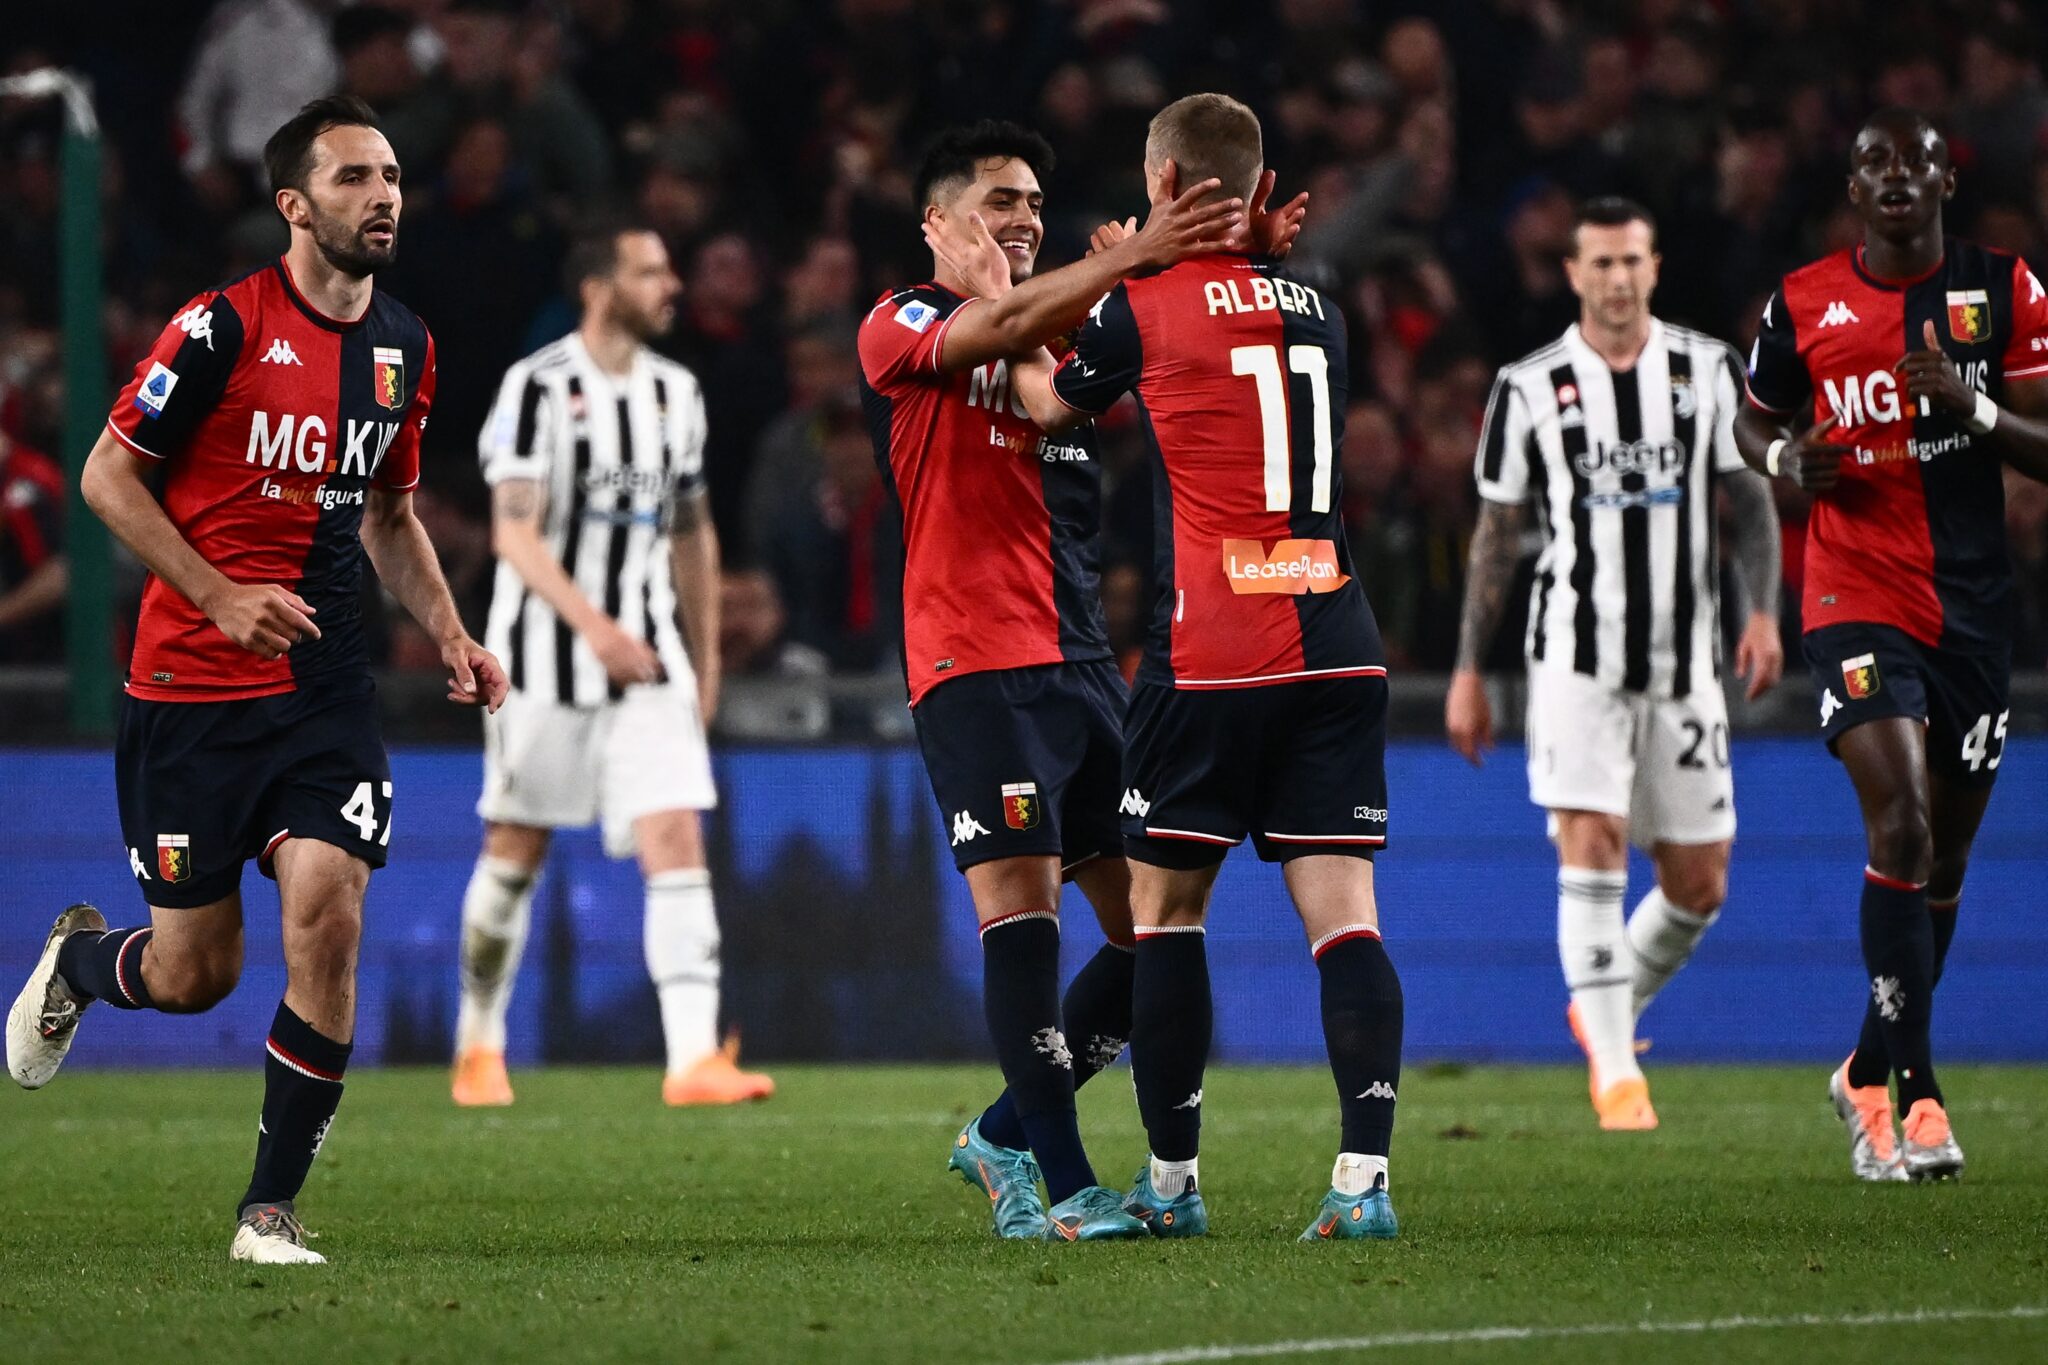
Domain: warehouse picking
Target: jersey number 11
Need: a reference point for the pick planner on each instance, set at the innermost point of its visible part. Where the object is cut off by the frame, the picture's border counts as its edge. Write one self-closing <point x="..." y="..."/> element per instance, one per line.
<point x="1262" y="363"/>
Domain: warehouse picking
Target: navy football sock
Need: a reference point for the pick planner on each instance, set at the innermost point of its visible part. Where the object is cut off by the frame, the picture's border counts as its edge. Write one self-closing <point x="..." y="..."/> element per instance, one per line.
<point x="107" y="967"/>
<point x="1020" y="997"/>
<point x="1870" y="1064"/>
<point x="301" y="1087"/>
<point x="1097" y="1012"/>
<point x="1898" y="952"/>
<point x="1362" y="1009"/>
<point x="1172" y="1016"/>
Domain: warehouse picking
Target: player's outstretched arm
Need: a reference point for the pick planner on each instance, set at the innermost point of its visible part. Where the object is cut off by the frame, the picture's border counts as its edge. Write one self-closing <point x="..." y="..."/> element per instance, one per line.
<point x="1489" y="573"/>
<point x="1755" y="549"/>
<point x="411" y="572"/>
<point x="1034" y="312"/>
<point x="516" y="538"/>
<point x="695" y="560"/>
<point x="263" y="618"/>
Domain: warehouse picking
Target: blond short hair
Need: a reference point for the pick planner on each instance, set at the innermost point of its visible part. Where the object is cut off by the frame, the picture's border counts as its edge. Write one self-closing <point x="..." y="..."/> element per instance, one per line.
<point x="1209" y="136"/>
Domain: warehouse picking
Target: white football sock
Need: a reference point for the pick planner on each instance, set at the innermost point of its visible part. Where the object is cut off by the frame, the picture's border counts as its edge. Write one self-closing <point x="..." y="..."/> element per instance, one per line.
<point x="495" y="912"/>
<point x="682" y="956"/>
<point x="1593" y="946"/>
<point x="1355" y="1173"/>
<point x="1663" y="937"/>
<point x="1174" y="1178"/>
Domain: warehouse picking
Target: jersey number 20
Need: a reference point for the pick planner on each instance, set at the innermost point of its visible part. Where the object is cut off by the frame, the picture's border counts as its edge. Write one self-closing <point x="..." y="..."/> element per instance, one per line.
<point x="1262" y="363"/>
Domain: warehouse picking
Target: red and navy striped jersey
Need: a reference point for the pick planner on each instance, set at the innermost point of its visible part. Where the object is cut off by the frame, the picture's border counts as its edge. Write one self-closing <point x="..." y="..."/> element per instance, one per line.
<point x="272" y="422"/>
<point x="1241" y="374"/>
<point x="1914" y="534"/>
<point x="1002" y="524"/>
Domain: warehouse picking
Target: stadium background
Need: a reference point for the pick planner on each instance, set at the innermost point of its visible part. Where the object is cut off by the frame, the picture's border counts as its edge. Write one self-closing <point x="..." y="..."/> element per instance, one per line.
<point x="771" y="142"/>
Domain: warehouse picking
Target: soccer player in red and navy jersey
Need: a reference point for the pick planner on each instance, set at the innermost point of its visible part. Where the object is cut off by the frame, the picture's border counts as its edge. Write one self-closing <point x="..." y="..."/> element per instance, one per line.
<point x="1918" y="367"/>
<point x="279" y="418"/>
<point x="1260" y="707"/>
<point x="1015" y="694"/>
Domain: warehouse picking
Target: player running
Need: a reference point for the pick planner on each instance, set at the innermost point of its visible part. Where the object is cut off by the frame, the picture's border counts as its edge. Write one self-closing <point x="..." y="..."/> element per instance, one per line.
<point x="1923" y="363"/>
<point x="595" y="458"/>
<point x="1015" y="694"/>
<point x="1620" y="432"/>
<point x="283" y="412"/>
<point x="1260" y="707"/>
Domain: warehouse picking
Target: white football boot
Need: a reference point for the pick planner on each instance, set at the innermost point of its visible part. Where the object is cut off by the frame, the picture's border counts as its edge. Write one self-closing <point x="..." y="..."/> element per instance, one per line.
<point x="271" y="1234"/>
<point x="44" y="1019"/>
<point x="1866" y="1111"/>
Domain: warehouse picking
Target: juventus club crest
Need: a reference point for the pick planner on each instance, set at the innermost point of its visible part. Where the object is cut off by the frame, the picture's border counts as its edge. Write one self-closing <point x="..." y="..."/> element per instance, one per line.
<point x="1020" y="805"/>
<point x="174" y="857"/>
<point x="387" y="376"/>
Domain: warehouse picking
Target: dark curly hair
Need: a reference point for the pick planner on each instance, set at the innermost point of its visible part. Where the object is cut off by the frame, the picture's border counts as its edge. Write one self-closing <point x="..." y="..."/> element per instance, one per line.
<point x="949" y="163"/>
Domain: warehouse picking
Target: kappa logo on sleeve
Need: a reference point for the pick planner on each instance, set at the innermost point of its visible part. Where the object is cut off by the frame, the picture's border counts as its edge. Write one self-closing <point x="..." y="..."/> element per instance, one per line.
<point x="196" y="322"/>
<point x="917" y="315"/>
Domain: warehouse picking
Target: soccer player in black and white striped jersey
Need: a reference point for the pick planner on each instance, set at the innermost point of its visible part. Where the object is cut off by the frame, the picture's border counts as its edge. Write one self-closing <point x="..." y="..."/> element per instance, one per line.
<point x="1619" y="434"/>
<point x="595" y="458"/>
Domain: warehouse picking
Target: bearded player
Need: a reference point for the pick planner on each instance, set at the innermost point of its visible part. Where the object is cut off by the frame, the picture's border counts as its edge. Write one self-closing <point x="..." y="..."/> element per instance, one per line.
<point x="282" y="413"/>
<point x="1921" y="364"/>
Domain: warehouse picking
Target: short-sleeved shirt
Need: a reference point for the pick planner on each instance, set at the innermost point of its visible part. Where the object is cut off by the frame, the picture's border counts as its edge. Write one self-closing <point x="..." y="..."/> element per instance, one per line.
<point x="1621" y="465"/>
<point x="1914" y="534"/>
<point x="1002" y="524"/>
<point x="1240" y="372"/>
<point x="612" y="455"/>
<point x="272" y="422"/>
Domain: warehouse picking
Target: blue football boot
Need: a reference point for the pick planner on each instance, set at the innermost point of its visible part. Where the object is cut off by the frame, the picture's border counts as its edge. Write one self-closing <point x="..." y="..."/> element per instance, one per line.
<point x="1007" y="1176"/>
<point x="1354" y="1217"/>
<point x="1184" y="1215"/>
<point x="1095" y="1214"/>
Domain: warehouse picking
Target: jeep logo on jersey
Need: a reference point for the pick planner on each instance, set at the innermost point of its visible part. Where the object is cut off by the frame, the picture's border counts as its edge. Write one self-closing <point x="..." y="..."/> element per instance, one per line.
<point x="1292" y="566"/>
<point x="387" y="376"/>
<point x="1632" y="457"/>
<point x="293" y="442"/>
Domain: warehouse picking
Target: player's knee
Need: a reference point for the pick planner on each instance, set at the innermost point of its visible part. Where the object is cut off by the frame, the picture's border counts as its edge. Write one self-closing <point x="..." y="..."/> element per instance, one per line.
<point x="326" y="937"/>
<point x="193" y="983"/>
<point x="1945" y="878"/>
<point x="1901" y="844"/>
<point x="1697" y="890"/>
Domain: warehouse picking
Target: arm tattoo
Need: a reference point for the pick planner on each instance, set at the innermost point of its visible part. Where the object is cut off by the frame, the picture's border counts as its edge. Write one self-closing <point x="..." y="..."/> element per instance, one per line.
<point x="516" y="500"/>
<point x="1496" y="549"/>
<point x="1753" y="543"/>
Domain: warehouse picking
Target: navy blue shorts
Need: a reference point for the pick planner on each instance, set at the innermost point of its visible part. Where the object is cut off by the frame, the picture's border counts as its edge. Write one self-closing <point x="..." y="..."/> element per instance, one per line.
<point x="207" y="785"/>
<point x="1299" y="766"/>
<point x="1864" y="672"/>
<point x="1025" y="761"/>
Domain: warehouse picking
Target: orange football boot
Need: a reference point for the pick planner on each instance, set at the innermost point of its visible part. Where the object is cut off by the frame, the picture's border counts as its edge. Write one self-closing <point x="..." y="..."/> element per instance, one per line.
<point x="480" y="1079"/>
<point x="1622" y="1107"/>
<point x="717" y="1079"/>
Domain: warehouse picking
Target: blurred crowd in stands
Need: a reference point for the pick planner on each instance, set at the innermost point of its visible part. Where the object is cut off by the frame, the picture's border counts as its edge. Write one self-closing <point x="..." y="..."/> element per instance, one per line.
<point x="771" y="143"/>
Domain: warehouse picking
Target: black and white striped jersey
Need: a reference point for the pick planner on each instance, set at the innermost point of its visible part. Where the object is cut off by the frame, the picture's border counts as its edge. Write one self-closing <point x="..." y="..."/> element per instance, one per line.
<point x="611" y="455"/>
<point x="1621" y="467"/>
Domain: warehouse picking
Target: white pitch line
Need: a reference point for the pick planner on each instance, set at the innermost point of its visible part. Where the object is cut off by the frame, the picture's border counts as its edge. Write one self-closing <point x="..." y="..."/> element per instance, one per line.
<point x="1385" y="1340"/>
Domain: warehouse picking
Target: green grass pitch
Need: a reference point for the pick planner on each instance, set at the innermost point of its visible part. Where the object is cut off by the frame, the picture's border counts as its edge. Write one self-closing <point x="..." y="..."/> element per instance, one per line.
<point x="589" y="1223"/>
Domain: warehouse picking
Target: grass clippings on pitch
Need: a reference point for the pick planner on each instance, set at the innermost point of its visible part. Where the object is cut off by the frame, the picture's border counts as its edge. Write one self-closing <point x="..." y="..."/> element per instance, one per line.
<point x="589" y="1223"/>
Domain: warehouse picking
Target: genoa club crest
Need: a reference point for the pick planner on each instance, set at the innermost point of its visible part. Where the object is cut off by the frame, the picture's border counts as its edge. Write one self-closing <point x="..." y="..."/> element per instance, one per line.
<point x="1969" y="314"/>
<point x="387" y="376"/>
<point x="1020" y="805"/>
<point x="174" y="857"/>
<point x="1859" y="676"/>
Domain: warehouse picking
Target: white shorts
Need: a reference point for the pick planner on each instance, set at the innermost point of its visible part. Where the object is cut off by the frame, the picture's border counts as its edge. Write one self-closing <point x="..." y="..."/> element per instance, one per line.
<point x="1660" y="764"/>
<point x="558" y="766"/>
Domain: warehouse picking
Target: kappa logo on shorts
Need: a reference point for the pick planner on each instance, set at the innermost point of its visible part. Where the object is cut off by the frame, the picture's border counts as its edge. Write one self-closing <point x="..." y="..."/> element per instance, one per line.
<point x="1859" y="676"/>
<point x="174" y="857"/>
<point x="1828" y="705"/>
<point x="1376" y="814"/>
<point x="1020" y="805"/>
<point x="1134" y="803"/>
<point x="965" y="827"/>
<point x="135" y="866"/>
